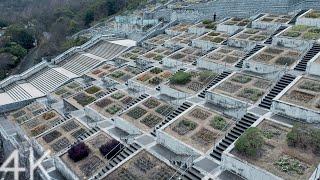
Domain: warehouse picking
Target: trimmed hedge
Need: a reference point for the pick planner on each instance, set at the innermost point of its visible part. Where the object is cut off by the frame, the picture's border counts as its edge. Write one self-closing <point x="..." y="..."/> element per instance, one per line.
<point x="78" y="152"/>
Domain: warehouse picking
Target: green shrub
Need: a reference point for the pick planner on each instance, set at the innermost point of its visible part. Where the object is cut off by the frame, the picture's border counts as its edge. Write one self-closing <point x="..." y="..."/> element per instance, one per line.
<point x="300" y="28"/>
<point x="180" y="78"/>
<point x="218" y="122"/>
<point x="292" y="34"/>
<point x="304" y="136"/>
<point x="207" y="21"/>
<point x="250" y="142"/>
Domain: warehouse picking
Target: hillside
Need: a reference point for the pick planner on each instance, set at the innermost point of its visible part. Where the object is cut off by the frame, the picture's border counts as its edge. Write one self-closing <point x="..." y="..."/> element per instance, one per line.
<point x="49" y="23"/>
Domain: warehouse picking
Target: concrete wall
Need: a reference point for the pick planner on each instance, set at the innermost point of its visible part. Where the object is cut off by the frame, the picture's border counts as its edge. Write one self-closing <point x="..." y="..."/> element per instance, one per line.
<point x="299" y="44"/>
<point x="173" y="144"/>
<point x="313" y="67"/>
<point x="217" y="68"/>
<point x="295" y="111"/>
<point x="246" y="44"/>
<point x="64" y="170"/>
<point x="166" y="89"/>
<point x="245" y="169"/>
<point x="126" y="126"/>
<point x="308" y="21"/>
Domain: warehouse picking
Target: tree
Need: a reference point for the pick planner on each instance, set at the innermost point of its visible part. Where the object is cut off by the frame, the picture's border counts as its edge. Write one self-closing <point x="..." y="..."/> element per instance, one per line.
<point x="250" y="142"/>
<point x="88" y="17"/>
<point x="180" y="78"/>
<point x="21" y="36"/>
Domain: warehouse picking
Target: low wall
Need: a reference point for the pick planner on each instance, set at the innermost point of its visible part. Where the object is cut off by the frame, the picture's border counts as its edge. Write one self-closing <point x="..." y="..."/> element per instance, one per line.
<point x="165" y="89"/>
<point x="217" y="68"/>
<point x="229" y="29"/>
<point x="64" y="169"/>
<point x="126" y="126"/>
<point x="299" y="44"/>
<point x="247" y="45"/>
<point x="205" y="45"/>
<point x="301" y="20"/>
<point x="295" y="111"/>
<point x="313" y="66"/>
<point x="245" y="169"/>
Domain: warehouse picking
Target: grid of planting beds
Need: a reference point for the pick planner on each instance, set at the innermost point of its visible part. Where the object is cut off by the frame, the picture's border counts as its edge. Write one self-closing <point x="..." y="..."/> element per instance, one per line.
<point x="302" y="32"/>
<point x="178" y="29"/>
<point x="276" y="149"/>
<point x="203" y="27"/>
<point x="125" y="73"/>
<point x="113" y="104"/>
<point x="157" y="54"/>
<point x="242" y="22"/>
<point x="254" y="35"/>
<point x="42" y="123"/>
<point x="243" y="87"/>
<point x="305" y="93"/>
<point x="102" y="71"/>
<point x="68" y="90"/>
<point x="142" y="166"/>
<point x="154" y="77"/>
<point x="225" y="55"/>
<point x="278" y="56"/>
<point x="214" y="37"/>
<point x="186" y="55"/>
<point x="26" y="113"/>
<point x="158" y="40"/>
<point x="200" y="128"/>
<point x="277" y="19"/>
<point x="87" y="158"/>
<point x="182" y="40"/>
<point x="147" y="114"/>
<point x="133" y="54"/>
<point x="191" y="82"/>
<point x="62" y="136"/>
<point x="86" y="96"/>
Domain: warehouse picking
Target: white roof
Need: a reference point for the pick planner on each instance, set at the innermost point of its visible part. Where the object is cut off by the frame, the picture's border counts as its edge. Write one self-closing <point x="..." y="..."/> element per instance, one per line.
<point x="125" y="42"/>
<point x="5" y="99"/>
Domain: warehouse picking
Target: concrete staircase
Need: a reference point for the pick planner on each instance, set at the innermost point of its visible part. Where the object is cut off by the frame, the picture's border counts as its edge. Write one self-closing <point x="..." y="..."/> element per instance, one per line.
<point x="16" y="92"/>
<point x="121" y="156"/>
<point x="294" y="19"/>
<point x="281" y="84"/>
<point x="254" y="50"/>
<point x="183" y="107"/>
<point x="47" y="80"/>
<point x="214" y="82"/>
<point x="243" y="124"/>
<point x="302" y="65"/>
<point x="269" y="40"/>
<point x="80" y="64"/>
<point x="88" y="133"/>
<point x="106" y="50"/>
<point x="192" y="174"/>
<point x="140" y="98"/>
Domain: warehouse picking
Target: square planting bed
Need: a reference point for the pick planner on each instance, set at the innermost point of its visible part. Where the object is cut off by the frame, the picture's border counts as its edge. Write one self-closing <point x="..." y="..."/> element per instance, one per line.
<point x="271" y="21"/>
<point x="158" y="40"/>
<point x="133" y="54"/>
<point x="302" y="32"/>
<point x="190" y="82"/>
<point x="113" y="104"/>
<point x="182" y="40"/>
<point x="177" y="29"/>
<point x="125" y="73"/>
<point x="87" y="96"/>
<point x="210" y="40"/>
<point x="102" y="71"/>
<point x="68" y="90"/>
<point x="200" y="128"/>
<point x="301" y="101"/>
<point x="62" y="136"/>
<point x="275" y="154"/>
<point x="42" y="123"/>
<point x="154" y="77"/>
<point x="182" y="57"/>
<point x="310" y="18"/>
<point x="92" y="159"/>
<point x="26" y="113"/>
<point x="273" y="58"/>
<point x="249" y="37"/>
<point x="157" y="54"/>
<point x="203" y="27"/>
<point x="148" y="113"/>
<point x="241" y="87"/>
<point x="142" y="166"/>
<point x="221" y="57"/>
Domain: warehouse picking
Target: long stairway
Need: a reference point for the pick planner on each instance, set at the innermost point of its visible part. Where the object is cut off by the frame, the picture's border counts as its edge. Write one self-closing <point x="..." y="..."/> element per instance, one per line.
<point x="254" y="50"/>
<point x="302" y="65"/>
<point x="269" y="40"/>
<point x="281" y="84"/>
<point x="183" y="107"/>
<point x="16" y="92"/>
<point x="214" y="82"/>
<point x="121" y="156"/>
<point x="242" y="125"/>
<point x="294" y="20"/>
<point x="48" y="80"/>
<point x="80" y="64"/>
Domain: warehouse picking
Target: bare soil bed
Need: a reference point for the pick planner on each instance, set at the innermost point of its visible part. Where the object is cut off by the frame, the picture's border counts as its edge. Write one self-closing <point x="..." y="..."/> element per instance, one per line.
<point x="280" y="159"/>
<point x="305" y="93"/>
<point x="142" y="166"/>
<point x="200" y="128"/>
